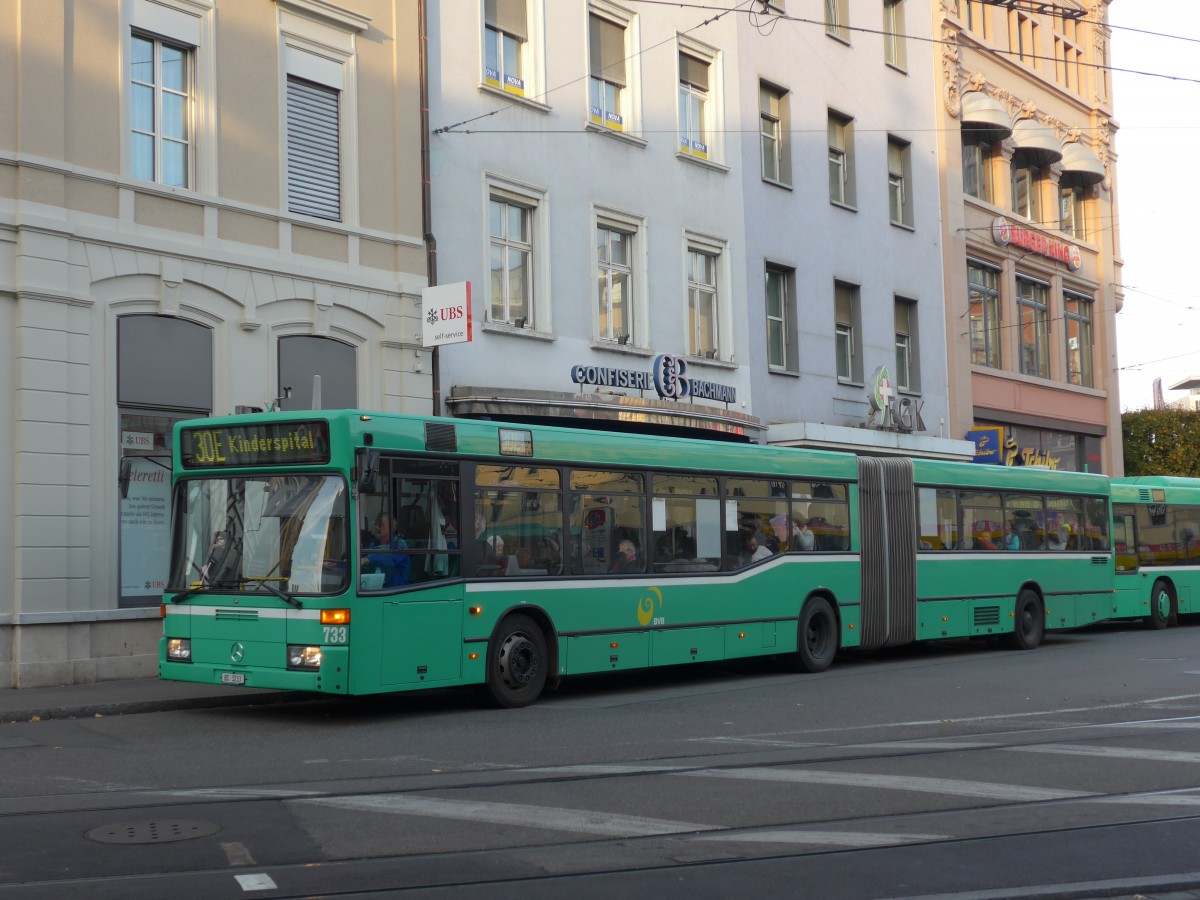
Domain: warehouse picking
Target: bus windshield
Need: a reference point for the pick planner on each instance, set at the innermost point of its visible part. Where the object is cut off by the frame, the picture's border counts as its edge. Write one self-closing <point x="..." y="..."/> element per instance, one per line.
<point x="271" y="533"/>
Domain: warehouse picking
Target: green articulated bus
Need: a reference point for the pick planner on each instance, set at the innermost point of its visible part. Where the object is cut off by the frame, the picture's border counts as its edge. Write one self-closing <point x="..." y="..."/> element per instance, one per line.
<point x="1156" y="537"/>
<point x="349" y="552"/>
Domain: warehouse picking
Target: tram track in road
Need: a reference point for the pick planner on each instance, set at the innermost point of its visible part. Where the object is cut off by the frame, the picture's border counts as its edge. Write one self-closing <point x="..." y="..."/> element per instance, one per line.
<point x="605" y="840"/>
<point x="698" y="865"/>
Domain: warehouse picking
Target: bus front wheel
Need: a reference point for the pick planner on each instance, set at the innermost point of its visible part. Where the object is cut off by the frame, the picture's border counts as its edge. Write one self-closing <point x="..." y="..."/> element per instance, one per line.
<point x="817" y="642"/>
<point x="517" y="663"/>
<point x="1029" y="625"/>
<point x="1160" y="606"/>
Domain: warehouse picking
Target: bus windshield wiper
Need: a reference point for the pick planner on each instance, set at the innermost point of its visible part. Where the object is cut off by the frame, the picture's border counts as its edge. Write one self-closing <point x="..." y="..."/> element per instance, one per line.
<point x="282" y="595"/>
<point x="208" y="585"/>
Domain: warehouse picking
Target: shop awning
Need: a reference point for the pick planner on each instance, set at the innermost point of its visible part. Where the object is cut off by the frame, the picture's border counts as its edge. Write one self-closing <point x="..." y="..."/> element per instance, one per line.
<point x="981" y="111"/>
<point x="1082" y="162"/>
<point x="1035" y="138"/>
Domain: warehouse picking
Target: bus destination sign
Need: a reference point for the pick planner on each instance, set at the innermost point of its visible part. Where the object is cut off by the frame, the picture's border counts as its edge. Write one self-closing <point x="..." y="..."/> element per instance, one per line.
<point x="262" y="444"/>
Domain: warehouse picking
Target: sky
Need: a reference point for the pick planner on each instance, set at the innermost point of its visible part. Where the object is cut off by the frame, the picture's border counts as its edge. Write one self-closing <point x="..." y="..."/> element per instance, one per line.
<point x="1158" y="330"/>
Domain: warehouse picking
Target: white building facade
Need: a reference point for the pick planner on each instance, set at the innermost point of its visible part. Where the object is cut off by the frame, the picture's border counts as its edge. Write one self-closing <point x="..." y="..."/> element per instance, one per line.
<point x="749" y="195"/>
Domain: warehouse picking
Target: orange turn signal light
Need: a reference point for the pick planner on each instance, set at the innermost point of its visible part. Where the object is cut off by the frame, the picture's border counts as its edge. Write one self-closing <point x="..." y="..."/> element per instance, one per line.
<point x="335" y="617"/>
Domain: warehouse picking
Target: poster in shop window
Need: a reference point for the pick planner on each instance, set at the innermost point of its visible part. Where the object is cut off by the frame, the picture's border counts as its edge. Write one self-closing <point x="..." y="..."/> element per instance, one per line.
<point x="145" y="529"/>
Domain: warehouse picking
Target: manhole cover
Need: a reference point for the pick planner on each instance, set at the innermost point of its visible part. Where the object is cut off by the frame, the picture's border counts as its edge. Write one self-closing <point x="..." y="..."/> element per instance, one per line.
<point x="156" y="831"/>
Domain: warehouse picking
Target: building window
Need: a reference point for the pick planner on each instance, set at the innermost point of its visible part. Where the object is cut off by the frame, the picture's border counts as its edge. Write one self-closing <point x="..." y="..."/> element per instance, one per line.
<point x="1023" y="38"/>
<point x="1067" y="64"/>
<point x="510" y="230"/>
<point x="301" y="356"/>
<point x="505" y="40"/>
<point x="906" y="346"/>
<point x="1077" y="313"/>
<point x="1072" y="207"/>
<point x="160" y="110"/>
<point x="774" y="134"/>
<point x="895" y="52"/>
<point x="984" y="305"/>
<point x="841" y="159"/>
<point x="899" y="157"/>
<point x="703" y="302"/>
<point x="837" y="19"/>
<point x="782" y="353"/>
<point x="614" y="281"/>
<point x="978" y="152"/>
<point x="975" y="16"/>
<point x="846" y="332"/>
<point x="698" y="102"/>
<point x="1027" y="189"/>
<point x="1034" y="323"/>
<point x="320" y="115"/>
<point x="609" y="77"/>
<point x="313" y="150"/>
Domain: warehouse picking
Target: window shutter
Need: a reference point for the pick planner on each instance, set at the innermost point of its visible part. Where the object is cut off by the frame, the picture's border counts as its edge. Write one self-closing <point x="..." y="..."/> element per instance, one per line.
<point x="507" y="16"/>
<point x="606" y="46"/>
<point x="313" y="151"/>
<point x="768" y="102"/>
<point x="693" y="71"/>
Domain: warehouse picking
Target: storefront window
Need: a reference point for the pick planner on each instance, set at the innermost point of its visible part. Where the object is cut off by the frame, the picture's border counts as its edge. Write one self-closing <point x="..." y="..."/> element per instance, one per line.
<point x="303" y="356"/>
<point x="164" y="374"/>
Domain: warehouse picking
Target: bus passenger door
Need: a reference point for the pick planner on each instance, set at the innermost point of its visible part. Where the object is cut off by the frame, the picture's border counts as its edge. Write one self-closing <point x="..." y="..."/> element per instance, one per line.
<point x="1125" y="548"/>
<point x="1128" y="586"/>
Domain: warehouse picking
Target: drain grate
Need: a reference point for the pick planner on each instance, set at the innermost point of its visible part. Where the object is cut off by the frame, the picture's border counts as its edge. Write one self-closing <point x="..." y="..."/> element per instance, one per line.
<point x="155" y="831"/>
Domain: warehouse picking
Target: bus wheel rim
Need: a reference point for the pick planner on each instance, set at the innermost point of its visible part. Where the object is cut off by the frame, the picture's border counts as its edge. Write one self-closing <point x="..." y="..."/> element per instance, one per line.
<point x="518" y="660"/>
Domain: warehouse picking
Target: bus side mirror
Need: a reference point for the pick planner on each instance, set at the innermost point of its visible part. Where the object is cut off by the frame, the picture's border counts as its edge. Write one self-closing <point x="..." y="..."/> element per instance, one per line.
<point x="367" y="464"/>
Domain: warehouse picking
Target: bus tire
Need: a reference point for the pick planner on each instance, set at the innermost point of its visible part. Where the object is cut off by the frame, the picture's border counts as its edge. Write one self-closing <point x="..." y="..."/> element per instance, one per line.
<point x="817" y="638"/>
<point x="1161" y="606"/>
<point x="1029" y="624"/>
<point x="517" y="663"/>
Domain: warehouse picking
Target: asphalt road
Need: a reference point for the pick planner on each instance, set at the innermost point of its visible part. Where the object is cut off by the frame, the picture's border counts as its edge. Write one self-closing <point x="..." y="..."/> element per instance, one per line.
<point x="958" y="769"/>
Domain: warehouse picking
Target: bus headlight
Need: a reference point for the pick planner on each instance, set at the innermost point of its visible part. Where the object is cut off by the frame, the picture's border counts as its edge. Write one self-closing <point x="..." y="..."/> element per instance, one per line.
<point x="303" y="657"/>
<point x="179" y="649"/>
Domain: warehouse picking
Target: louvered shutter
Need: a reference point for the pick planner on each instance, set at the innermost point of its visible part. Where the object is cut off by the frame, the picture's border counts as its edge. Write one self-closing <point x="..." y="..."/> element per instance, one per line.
<point x="313" y="154"/>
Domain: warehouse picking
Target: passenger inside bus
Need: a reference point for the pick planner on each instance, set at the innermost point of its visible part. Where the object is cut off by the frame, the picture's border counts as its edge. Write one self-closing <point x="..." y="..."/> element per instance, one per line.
<point x="386" y="556"/>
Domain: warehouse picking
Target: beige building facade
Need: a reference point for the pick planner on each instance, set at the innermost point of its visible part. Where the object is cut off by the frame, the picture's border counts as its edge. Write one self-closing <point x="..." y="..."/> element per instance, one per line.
<point x="203" y="204"/>
<point x="1029" y="204"/>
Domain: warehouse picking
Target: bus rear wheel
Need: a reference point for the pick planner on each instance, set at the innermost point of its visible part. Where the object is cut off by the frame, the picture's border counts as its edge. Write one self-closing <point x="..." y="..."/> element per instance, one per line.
<point x="817" y="641"/>
<point x="517" y="663"/>
<point x="1029" y="625"/>
<point x="1161" y="606"/>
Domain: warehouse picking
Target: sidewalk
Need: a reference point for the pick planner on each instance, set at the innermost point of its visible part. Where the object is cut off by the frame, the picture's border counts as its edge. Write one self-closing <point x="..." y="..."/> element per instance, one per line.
<point x="137" y="695"/>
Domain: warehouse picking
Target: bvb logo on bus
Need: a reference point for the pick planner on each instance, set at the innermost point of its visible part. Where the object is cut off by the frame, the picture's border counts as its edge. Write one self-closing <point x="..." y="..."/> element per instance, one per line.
<point x="645" y="609"/>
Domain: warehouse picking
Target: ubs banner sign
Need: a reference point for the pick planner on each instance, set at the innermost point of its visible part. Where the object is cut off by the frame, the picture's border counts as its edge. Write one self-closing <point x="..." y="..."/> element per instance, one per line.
<point x="446" y="314"/>
<point x="669" y="379"/>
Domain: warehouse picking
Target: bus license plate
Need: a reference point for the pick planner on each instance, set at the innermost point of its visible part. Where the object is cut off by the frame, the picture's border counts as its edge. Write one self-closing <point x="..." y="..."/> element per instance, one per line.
<point x="233" y="678"/>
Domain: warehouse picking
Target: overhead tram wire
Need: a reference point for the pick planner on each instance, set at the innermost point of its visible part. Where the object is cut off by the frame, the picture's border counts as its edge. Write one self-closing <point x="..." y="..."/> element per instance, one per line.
<point x="457" y="128"/>
<point x="937" y="41"/>
<point x="454" y="129"/>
